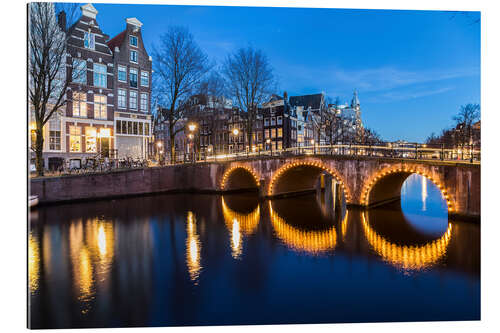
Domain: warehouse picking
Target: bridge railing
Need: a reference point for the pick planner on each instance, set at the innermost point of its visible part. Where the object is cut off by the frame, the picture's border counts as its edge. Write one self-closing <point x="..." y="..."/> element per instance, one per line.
<point x="466" y="154"/>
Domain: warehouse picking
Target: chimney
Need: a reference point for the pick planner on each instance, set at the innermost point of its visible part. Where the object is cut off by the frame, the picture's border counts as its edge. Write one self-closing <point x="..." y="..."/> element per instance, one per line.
<point x="61" y="20"/>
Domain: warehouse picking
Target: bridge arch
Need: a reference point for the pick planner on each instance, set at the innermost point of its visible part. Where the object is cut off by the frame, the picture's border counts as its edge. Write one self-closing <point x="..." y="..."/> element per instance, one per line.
<point x="283" y="178"/>
<point x="385" y="185"/>
<point x="239" y="177"/>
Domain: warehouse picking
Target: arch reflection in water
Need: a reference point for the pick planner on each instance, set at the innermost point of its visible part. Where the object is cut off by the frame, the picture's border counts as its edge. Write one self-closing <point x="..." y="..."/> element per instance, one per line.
<point x="33" y="263"/>
<point x="404" y="256"/>
<point x="92" y="252"/>
<point x="239" y="224"/>
<point x="313" y="242"/>
<point x="424" y="206"/>
<point x="193" y="248"/>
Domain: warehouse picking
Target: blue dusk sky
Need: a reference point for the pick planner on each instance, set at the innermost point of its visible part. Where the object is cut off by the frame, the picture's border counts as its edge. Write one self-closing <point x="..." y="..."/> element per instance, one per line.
<point x="412" y="69"/>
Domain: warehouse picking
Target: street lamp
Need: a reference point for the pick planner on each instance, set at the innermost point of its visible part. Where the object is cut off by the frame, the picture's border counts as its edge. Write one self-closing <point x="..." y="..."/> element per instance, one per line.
<point x="268" y="141"/>
<point x="192" y="127"/>
<point x="236" y="131"/>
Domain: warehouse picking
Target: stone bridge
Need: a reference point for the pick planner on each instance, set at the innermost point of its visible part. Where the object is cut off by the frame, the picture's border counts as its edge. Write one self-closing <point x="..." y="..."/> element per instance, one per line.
<point x="365" y="181"/>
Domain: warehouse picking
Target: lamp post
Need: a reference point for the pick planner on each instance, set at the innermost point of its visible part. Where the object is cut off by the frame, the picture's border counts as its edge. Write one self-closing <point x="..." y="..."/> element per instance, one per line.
<point x="192" y="128"/>
<point x="158" y="145"/>
<point x="268" y="141"/>
<point x="236" y="131"/>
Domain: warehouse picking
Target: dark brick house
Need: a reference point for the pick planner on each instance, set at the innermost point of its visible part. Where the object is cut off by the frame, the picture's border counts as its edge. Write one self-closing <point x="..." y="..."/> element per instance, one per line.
<point x="279" y="123"/>
<point x="132" y="91"/>
<point x="88" y="122"/>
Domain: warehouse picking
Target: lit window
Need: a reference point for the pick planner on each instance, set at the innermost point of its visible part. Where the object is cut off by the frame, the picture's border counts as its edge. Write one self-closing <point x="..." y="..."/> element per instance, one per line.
<point x="122" y="98"/>
<point x="144" y="79"/>
<point x="273" y="133"/>
<point x="100" y="75"/>
<point x="146" y="129"/>
<point x="133" y="56"/>
<point x="141" y="125"/>
<point x="90" y="140"/>
<point x="122" y="73"/>
<point x="75" y="139"/>
<point x="133" y="100"/>
<point x="79" y="74"/>
<point x="79" y="104"/>
<point x="133" y="77"/>
<point x="144" y="102"/>
<point x="100" y="110"/>
<point x="89" y="40"/>
<point x="133" y="41"/>
<point x="55" y="132"/>
<point x="280" y="132"/>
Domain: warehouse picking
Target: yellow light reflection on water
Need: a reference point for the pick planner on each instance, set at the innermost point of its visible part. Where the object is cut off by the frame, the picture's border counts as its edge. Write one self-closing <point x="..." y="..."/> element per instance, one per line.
<point x="238" y="225"/>
<point x="407" y="257"/>
<point x="313" y="242"/>
<point x="193" y="248"/>
<point x="33" y="263"/>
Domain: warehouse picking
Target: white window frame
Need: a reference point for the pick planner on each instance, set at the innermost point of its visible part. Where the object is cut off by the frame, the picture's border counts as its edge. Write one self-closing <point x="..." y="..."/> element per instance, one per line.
<point x="130" y="93"/>
<point x="136" y="56"/>
<point x="124" y="105"/>
<point x="144" y="109"/>
<point x="77" y="68"/>
<point x="99" y="74"/>
<point x="77" y="104"/>
<point x="147" y="77"/>
<point x="125" y="70"/>
<point x="132" y="69"/>
<point x="102" y="107"/>
<point x="136" y="40"/>
<point x="91" y="42"/>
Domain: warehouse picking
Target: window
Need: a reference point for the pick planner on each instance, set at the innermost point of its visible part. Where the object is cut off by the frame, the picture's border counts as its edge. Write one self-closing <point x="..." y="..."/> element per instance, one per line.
<point x="280" y="120"/>
<point x="122" y="73"/>
<point x="75" y="139"/>
<point x="118" y="127"/>
<point x="129" y="127"/>
<point x="273" y="121"/>
<point x="266" y="122"/>
<point x="280" y="132"/>
<point x="79" y="104"/>
<point x="55" y="132"/>
<point x="273" y="133"/>
<point x="89" y="40"/>
<point x="144" y="79"/>
<point x="133" y="100"/>
<point x="133" y="41"/>
<point x="122" y="98"/>
<point x="141" y="125"/>
<point x="124" y="127"/>
<point x="133" y="56"/>
<point x="266" y="133"/>
<point x="100" y="110"/>
<point x="135" y="128"/>
<point x="146" y="129"/>
<point x="144" y="102"/>
<point x="100" y="75"/>
<point x="90" y="140"/>
<point x="79" y="74"/>
<point x="133" y="77"/>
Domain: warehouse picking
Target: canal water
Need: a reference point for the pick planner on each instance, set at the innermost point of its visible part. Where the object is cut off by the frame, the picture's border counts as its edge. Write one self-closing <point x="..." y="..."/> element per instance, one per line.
<point x="209" y="260"/>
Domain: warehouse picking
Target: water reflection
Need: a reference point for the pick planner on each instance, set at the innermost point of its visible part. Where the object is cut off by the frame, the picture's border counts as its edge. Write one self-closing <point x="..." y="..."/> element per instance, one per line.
<point x="193" y="248"/>
<point x="424" y="205"/>
<point x="406" y="257"/>
<point x="239" y="224"/>
<point x="33" y="263"/>
<point x="313" y="242"/>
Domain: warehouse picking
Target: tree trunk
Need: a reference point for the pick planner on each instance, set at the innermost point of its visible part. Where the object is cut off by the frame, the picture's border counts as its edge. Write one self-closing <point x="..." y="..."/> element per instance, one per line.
<point x="172" y="148"/>
<point x="39" y="150"/>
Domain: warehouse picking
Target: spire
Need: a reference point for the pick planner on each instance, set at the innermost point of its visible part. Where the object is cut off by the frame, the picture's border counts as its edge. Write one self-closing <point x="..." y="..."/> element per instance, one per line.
<point x="355" y="100"/>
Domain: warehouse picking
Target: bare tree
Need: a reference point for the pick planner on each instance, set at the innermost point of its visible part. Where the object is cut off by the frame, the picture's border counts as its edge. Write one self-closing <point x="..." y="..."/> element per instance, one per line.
<point x="179" y="67"/>
<point x="464" y="120"/>
<point x="47" y="75"/>
<point x="250" y="81"/>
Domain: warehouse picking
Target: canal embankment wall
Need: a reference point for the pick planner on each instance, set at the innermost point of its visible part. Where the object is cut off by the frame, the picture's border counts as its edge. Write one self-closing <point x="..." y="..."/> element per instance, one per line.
<point x="115" y="184"/>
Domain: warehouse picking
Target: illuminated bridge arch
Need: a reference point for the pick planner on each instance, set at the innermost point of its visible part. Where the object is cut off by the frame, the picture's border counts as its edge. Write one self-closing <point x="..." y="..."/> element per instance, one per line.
<point x="403" y="256"/>
<point x="302" y="175"/>
<point x="239" y="177"/>
<point x="314" y="242"/>
<point x="385" y="185"/>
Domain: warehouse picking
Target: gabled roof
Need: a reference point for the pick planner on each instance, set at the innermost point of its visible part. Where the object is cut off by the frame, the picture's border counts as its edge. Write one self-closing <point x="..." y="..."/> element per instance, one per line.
<point x="313" y="101"/>
<point x="117" y="40"/>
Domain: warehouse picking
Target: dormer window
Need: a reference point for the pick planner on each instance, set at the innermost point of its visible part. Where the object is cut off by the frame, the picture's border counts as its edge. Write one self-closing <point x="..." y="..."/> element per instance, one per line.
<point x="89" y="40"/>
<point x="133" y="56"/>
<point x="133" y="41"/>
